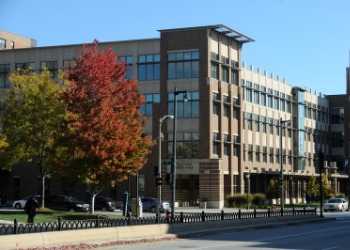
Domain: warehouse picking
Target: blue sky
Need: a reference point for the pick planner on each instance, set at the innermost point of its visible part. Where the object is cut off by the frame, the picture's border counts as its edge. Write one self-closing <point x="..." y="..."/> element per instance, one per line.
<point x="305" y="41"/>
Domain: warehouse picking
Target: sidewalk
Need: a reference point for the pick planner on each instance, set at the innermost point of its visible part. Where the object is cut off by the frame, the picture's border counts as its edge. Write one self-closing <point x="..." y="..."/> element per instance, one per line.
<point x="95" y="238"/>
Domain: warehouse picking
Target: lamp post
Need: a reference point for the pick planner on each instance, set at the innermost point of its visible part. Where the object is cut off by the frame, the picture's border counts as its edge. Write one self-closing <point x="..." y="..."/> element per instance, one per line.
<point x="248" y="188"/>
<point x="321" y="167"/>
<point x="176" y="93"/>
<point x="159" y="177"/>
<point x="282" y="125"/>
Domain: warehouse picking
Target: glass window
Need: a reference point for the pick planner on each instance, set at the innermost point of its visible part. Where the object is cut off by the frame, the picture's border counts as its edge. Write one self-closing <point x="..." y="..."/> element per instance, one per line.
<point x="147" y="108"/>
<point x="148" y="67"/>
<point x="215" y="71"/>
<point x="189" y="109"/>
<point x="2" y="43"/>
<point x="183" y="65"/>
<point x="129" y="61"/>
<point x="337" y="115"/>
<point x="248" y="95"/>
<point x="52" y="66"/>
<point x="224" y="74"/>
<point x="4" y="71"/>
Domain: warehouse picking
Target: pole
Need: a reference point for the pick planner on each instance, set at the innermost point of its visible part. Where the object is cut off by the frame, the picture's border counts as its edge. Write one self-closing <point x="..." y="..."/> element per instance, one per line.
<point x="174" y="148"/>
<point x="174" y="156"/>
<point x="159" y="186"/>
<point x="281" y="177"/>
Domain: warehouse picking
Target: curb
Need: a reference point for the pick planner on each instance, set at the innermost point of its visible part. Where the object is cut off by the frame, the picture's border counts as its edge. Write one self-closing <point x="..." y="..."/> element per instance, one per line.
<point x="103" y="237"/>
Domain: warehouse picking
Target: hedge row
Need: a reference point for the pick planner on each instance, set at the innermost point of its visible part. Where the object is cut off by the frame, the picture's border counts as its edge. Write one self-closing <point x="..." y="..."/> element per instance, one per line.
<point x="240" y="200"/>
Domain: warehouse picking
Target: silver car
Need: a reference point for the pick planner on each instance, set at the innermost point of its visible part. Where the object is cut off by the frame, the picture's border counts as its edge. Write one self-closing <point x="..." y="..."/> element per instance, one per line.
<point x="150" y="205"/>
<point x="336" y="204"/>
<point x="20" y="204"/>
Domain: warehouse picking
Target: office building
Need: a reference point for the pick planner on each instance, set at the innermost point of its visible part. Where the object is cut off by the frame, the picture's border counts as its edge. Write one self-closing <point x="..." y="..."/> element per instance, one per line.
<point x="237" y="122"/>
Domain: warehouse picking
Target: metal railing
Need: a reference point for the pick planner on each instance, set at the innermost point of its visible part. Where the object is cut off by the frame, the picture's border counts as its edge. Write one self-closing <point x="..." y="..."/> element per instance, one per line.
<point x="100" y="222"/>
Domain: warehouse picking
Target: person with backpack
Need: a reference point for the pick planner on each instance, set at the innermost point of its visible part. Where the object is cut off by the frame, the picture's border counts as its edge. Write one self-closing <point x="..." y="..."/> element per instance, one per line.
<point x="30" y="209"/>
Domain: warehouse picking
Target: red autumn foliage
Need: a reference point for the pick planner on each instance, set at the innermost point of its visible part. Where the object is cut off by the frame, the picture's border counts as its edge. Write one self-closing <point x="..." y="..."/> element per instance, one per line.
<point x="105" y="131"/>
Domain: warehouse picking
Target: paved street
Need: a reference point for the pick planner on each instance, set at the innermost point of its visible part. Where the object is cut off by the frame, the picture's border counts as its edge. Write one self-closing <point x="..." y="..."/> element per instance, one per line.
<point x="325" y="235"/>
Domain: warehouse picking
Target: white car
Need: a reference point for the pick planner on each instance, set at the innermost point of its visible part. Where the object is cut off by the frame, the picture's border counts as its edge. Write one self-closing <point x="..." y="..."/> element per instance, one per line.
<point x="20" y="204"/>
<point x="336" y="204"/>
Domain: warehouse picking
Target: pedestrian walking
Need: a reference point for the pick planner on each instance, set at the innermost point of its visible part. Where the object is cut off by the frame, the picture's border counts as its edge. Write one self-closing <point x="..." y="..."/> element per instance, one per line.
<point x="30" y="209"/>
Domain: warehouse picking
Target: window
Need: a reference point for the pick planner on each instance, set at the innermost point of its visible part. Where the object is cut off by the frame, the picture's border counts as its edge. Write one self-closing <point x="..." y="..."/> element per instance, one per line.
<point x="257" y="153"/>
<point x="234" y="76"/>
<point x="250" y="152"/>
<point x="189" y="109"/>
<point x="51" y="66"/>
<point x="235" y="114"/>
<point x="271" y="155"/>
<point x="187" y="145"/>
<point x="264" y="154"/>
<point x="2" y="43"/>
<point x="263" y="124"/>
<point x="248" y="95"/>
<point x="129" y="61"/>
<point x="147" y="108"/>
<point x="338" y="139"/>
<point x="214" y="65"/>
<point x="29" y="66"/>
<point x="256" y="97"/>
<point x="263" y="99"/>
<point x="275" y="103"/>
<point x="257" y="123"/>
<point x="12" y="44"/>
<point x="225" y="69"/>
<point x="148" y="67"/>
<point x="236" y="150"/>
<point x="183" y="64"/>
<point x="249" y="120"/>
<point x="224" y="74"/>
<point x="4" y="71"/>
<point x="337" y="115"/>
<point x="269" y="102"/>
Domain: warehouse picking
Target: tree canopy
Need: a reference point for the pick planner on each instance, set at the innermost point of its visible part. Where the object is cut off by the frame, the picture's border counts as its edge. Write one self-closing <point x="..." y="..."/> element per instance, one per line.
<point x="32" y="114"/>
<point x="105" y="138"/>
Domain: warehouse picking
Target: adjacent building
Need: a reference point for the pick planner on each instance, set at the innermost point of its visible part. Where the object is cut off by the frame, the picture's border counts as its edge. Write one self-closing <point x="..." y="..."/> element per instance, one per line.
<point x="236" y="131"/>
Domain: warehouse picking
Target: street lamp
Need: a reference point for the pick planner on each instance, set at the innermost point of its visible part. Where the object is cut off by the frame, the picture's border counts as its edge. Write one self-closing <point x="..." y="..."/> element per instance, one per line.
<point x="321" y="167"/>
<point x="159" y="178"/>
<point x="248" y="188"/>
<point x="185" y="98"/>
<point x="282" y="125"/>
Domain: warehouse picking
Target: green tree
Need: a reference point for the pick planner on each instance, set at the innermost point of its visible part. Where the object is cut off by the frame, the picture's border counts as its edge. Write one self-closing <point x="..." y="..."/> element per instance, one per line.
<point x="105" y="137"/>
<point x="33" y="113"/>
<point x="313" y="186"/>
<point x="273" y="190"/>
<point x="327" y="190"/>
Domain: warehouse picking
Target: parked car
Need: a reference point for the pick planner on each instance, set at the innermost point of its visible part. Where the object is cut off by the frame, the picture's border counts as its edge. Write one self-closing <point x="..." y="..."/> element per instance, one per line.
<point x="65" y="203"/>
<point x="104" y="203"/>
<point x="150" y="205"/>
<point x="20" y="204"/>
<point x="336" y="204"/>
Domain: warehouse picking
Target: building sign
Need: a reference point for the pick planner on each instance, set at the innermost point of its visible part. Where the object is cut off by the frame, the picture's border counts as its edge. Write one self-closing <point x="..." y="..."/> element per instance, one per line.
<point x="183" y="167"/>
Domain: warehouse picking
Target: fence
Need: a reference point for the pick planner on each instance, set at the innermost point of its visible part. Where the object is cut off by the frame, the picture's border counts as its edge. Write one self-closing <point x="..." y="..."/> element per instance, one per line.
<point x="98" y="222"/>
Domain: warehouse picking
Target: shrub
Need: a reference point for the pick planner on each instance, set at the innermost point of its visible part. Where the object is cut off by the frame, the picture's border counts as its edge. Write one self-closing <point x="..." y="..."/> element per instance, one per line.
<point x="258" y="200"/>
<point x="237" y="200"/>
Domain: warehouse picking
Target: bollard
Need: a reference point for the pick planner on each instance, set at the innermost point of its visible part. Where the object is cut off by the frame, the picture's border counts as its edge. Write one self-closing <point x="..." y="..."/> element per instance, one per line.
<point x="181" y="217"/>
<point x="268" y="212"/>
<point x="203" y="216"/>
<point x="222" y="215"/>
<point x="59" y="223"/>
<point x="239" y="214"/>
<point x="97" y="225"/>
<point x="254" y="212"/>
<point x="15" y="225"/>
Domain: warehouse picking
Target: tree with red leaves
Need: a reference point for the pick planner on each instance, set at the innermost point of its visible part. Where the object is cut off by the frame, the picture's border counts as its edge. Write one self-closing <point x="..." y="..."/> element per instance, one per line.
<point x="104" y="139"/>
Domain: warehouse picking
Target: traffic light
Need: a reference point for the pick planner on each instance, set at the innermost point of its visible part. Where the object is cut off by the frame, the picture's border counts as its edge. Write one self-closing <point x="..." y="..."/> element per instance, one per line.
<point x="168" y="179"/>
<point x="155" y="170"/>
<point x="158" y="181"/>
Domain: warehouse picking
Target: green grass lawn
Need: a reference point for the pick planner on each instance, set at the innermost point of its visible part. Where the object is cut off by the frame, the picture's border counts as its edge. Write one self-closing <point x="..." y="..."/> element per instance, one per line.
<point x="51" y="216"/>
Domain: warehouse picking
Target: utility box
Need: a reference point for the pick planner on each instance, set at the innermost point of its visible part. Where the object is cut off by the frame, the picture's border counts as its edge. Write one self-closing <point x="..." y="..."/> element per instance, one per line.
<point x="136" y="207"/>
